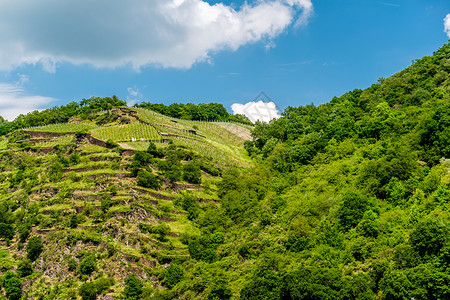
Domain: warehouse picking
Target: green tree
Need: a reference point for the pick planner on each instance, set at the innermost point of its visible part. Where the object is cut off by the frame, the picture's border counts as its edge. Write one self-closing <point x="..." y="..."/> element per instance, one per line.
<point x="147" y="179"/>
<point x="88" y="265"/>
<point x="12" y="285"/>
<point x="174" y="274"/>
<point x="88" y="291"/>
<point x="192" y="172"/>
<point x="352" y="209"/>
<point x="429" y="236"/>
<point x="24" y="268"/>
<point x="6" y="231"/>
<point x="34" y="248"/>
<point x="133" y="287"/>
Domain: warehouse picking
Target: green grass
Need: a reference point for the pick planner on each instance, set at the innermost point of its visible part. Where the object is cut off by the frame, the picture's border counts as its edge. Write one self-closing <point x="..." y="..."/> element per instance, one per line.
<point x="126" y="132"/>
<point x="3" y="144"/>
<point x="64" y="127"/>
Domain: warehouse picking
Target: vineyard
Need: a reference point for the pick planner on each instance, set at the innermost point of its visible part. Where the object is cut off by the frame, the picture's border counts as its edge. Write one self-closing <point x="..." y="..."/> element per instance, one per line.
<point x="64" y="127"/>
<point x="63" y="140"/>
<point x="126" y="132"/>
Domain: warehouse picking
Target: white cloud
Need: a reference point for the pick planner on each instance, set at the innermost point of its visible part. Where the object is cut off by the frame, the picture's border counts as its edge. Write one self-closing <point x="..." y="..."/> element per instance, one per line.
<point x="166" y="33"/>
<point x="262" y="111"/>
<point x="14" y="101"/>
<point x="447" y="25"/>
<point x="134" y="96"/>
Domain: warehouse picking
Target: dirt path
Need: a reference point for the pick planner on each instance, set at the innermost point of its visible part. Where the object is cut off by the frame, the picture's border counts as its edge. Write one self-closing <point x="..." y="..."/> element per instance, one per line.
<point x="125" y="146"/>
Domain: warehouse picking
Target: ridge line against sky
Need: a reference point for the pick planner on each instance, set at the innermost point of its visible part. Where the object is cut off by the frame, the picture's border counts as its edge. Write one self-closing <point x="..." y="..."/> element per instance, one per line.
<point x="54" y="52"/>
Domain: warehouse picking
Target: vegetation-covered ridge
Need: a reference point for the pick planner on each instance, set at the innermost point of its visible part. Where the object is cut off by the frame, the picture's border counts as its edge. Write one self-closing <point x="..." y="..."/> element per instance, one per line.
<point x="346" y="200"/>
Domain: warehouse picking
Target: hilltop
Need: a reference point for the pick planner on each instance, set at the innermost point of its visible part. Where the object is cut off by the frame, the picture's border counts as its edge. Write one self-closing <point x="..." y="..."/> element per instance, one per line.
<point x="346" y="200"/>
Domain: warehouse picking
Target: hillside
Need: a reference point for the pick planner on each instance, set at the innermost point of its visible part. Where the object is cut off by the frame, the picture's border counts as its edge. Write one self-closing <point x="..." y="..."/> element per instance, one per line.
<point x="346" y="200"/>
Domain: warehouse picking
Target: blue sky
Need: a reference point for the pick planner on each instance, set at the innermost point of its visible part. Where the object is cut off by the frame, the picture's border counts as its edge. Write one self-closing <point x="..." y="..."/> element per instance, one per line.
<point x="296" y="51"/>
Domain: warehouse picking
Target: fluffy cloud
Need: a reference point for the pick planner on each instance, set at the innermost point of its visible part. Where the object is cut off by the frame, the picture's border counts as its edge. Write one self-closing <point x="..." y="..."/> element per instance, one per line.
<point x="262" y="111"/>
<point x="447" y="25"/>
<point x="166" y="33"/>
<point x="14" y="101"/>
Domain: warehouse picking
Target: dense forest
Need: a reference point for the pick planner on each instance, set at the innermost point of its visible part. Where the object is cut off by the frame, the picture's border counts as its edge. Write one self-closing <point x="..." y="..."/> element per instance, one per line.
<point x="190" y="111"/>
<point x="346" y="200"/>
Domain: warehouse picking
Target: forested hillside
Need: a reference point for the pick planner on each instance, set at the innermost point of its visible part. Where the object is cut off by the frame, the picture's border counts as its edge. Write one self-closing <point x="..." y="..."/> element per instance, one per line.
<point x="346" y="200"/>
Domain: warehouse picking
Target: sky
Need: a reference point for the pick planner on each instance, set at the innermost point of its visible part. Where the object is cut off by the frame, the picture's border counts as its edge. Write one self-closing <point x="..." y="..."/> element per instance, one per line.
<point x="296" y="52"/>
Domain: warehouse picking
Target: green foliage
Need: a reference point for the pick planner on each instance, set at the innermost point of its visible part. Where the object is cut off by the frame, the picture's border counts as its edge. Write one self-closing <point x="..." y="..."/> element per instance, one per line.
<point x="174" y="274"/>
<point x="24" y="268"/>
<point x="147" y="179"/>
<point x="88" y="265"/>
<point x="133" y="287"/>
<point x="6" y="231"/>
<point x="220" y="290"/>
<point x="192" y="172"/>
<point x="34" y="248"/>
<point x="352" y="209"/>
<point x="429" y="236"/>
<point x="88" y="291"/>
<point x="12" y="285"/>
<point x="72" y="264"/>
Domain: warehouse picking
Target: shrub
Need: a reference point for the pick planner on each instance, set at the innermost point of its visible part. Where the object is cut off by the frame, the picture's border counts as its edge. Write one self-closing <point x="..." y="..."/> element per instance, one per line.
<point x="88" y="291"/>
<point x="147" y="179"/>
<point x="429" y="237"/>
<point x="192" y="172"/>
<point x="6" y="231"/>
<point x="34" y="248"/>
<point x="13" y="286"/>
<point x="72" y="264"/>
<point x="220" y="290"/>
<point x="111" y="144"/>
<point x="88" y="265"/>
<point x="174" y="274"/>
<point x="133" y="287"/>
<point x="24" y="268"/>
<point x="352" y="209"/>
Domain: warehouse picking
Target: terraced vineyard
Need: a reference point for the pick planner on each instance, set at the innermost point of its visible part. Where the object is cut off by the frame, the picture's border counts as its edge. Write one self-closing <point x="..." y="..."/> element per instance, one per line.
<point x="126" y="132"/>
<point x="65" y="127"/>
<point x="220" y="142"/>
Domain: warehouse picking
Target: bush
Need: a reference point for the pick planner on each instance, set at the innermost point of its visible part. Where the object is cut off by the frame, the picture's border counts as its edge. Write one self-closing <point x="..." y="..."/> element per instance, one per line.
<point x="220" y="290"/>
<point x="88" y="291"/>
<point x="352" y="209"/>
<point x="111" y="144"/>
<point x="133" y="287"/>
<point x="174" y="274"/>
<point x="6" y="231"/>
<point x="13" y="286"/>
<point x="88" y="265"/>
<point x="429" y="237"/>
<point x="147" y="179"/>
<point x="24" y="268"/>
<point x="192" y="172"/>
<point x="34" y="248"/>
<point x="72" y="264"/>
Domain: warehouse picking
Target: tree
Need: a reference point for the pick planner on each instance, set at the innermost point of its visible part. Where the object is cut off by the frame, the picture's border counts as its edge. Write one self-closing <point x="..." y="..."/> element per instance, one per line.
<point x="13" y="286"/>
<point x="147" y="179"/>
<point x="88" y="265"/>
<point x="429" y="237"/>
<point x="24" y="268"/>
<point x="6" y="231"/>
<point x="192" y="172"/>
<point x="34" y="248"/>
<point x="352" y="209"/>
<point x="133" y="287"/>
<point x="174" y="274"/>
<point x="88" y="291"/>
